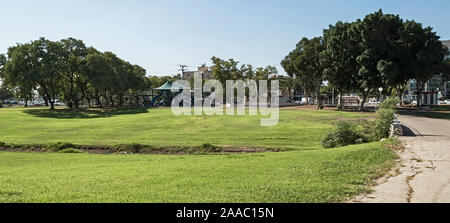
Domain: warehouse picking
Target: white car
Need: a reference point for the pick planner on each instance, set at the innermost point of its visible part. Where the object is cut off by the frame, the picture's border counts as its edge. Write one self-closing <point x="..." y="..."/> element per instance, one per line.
<point x="373" y="102"/>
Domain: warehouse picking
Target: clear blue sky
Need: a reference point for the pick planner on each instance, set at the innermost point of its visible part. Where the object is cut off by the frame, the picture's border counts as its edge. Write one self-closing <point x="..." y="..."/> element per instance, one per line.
<point x="158" y="35"/>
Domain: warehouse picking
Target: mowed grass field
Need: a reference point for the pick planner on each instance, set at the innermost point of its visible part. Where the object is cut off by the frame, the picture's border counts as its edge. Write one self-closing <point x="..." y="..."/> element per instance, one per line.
<point x="304" y="173"/>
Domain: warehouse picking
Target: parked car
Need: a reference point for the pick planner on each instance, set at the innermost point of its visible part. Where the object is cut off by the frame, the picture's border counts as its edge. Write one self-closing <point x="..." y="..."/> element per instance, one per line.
<point x="12" y="102"/>
<point x="373" y="102"/>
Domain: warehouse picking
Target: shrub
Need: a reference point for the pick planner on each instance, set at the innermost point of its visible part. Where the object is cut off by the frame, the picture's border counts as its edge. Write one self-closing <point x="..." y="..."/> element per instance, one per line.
<point x="2" y="144"/>
<point x="57" y="146"/>
<point x="132" y="148"/>
<point x="71" y="150"/>
<point x="389" y="103"/>
<point x="345" y="133"/>
<point x="206" y="147"/>
<point x="382" y="124"/>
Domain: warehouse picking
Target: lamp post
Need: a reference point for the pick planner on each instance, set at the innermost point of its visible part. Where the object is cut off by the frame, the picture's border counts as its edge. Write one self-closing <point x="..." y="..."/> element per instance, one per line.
<point x="381" y="95"/>
<point x="365" y="90"/>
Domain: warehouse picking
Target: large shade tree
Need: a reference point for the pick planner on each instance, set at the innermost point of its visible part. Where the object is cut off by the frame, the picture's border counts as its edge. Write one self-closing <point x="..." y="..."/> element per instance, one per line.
<point x="304" y="63"/>
<point x="70" y="71"/>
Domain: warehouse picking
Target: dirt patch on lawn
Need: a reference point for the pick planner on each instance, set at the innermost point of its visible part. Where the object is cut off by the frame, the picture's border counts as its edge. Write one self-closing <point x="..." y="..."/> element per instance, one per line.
<point x="135" y="149"/>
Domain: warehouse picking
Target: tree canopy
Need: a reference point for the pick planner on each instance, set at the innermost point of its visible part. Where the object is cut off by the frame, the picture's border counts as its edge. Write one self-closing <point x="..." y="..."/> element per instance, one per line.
<point x="71" y="71"/>
<point x="381" y="50"/>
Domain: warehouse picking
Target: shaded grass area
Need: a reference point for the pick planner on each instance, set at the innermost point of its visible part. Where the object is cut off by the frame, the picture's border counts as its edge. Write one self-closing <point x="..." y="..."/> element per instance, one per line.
<point x="160" y="128"/>
<point x="297" y="176"/>
<point x="83" y="113"/>
<point x="437" y="114"/>
<point x="129" y="148"/>
<point x="440" y="108"/>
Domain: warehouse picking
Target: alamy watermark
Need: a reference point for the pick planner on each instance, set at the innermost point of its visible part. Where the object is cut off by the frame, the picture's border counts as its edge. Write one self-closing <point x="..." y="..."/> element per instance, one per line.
<point x="240" y="95"/>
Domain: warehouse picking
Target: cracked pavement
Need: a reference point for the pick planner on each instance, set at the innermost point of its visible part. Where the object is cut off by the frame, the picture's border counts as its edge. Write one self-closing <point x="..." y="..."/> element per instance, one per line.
<point x="423" y="172"/>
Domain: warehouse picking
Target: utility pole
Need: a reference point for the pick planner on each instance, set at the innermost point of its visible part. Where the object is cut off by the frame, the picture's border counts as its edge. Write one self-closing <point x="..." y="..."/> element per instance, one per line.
<point x="332" y="96"/>
<point x="182" y="67"/>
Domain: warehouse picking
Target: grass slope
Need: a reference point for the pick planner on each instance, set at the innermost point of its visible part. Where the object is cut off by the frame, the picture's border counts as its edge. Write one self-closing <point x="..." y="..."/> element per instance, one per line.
<point x="308" y="173"/>
<point x="296" y="176"/>
<point x="159" y="127"/>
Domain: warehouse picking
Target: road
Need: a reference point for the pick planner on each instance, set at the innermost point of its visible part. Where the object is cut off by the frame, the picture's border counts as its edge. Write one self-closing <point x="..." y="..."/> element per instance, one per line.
<point x="423" y="174"/>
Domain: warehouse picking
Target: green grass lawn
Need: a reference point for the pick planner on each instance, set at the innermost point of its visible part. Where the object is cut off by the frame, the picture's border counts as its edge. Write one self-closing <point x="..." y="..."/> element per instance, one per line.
<point x="159" y="127"/>
<point x="307" y="173"/>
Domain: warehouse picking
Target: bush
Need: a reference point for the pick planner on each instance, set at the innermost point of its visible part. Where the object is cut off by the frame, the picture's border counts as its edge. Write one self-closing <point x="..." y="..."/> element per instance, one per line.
<point x="57" y="146"/>
<point x="345" y="133"/>
<point x="206" y="147"/>
<point x="382" y="124"/>
<point x="131" y="148"/>
<point x="71" y="150"/>
<point x="389" y="103"/>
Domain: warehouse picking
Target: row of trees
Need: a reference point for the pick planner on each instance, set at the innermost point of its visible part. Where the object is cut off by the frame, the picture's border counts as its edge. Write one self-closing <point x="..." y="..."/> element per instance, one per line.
<point x="382" y="50"/>
<point x="230" y="69"/>
<point x="70" y="71"/>
<point x="80" y="75"/>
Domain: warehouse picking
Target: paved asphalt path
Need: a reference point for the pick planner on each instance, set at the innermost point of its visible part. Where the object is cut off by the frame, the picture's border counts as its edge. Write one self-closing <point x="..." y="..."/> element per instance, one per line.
<point x="423" y="174"/>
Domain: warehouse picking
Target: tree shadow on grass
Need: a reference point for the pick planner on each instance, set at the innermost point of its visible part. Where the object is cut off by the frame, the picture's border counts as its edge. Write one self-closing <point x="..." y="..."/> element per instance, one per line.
<point x="427" y="114"/>
<point x="85" y="113"/>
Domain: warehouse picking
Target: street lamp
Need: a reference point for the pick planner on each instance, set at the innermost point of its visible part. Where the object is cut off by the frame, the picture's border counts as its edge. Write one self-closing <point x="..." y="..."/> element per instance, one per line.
<point x="381" y="96"/>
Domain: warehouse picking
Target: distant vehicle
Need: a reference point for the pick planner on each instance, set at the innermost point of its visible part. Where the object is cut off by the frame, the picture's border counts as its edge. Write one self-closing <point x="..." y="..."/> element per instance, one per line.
<point x="309" y="99"/>
<point x="447" y="102"/>
<point x="285" y="101"/>
<point x="414" y="103"/>
<point x="12" y="102"/>
<point x="373" y="102"/>
<point x="60" y="104"/>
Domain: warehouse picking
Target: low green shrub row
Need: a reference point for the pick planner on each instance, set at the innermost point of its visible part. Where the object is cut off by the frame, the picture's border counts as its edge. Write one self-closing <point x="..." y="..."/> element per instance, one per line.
<point x="65" y="147"/>
<point x="71" y="150"/>
<point x="357" y="132"/>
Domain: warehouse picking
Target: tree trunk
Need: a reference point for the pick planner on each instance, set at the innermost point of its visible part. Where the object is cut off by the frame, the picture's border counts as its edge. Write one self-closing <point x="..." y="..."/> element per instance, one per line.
<point x="363" y="101"/>
<point x="99" y="102"/>
<point x="318" y="99"/>
<point x="46" y="101"/>
<point x="121" y="101"/>
<point x="72" y="97"/>
<point x="420" y="86"/>
<point x="400" y="96"/>
<point x="137" y="100"/>
<point x="306" y="96"/>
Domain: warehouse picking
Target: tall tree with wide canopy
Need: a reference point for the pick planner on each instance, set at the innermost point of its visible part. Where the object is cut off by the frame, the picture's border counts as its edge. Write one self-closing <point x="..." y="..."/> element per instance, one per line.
<point x="18" y="70"/>
<point x="74" y="53"/>
<point x="305" y="63"/>
<point x="339" y="58"/>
